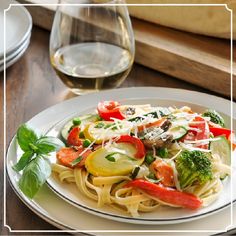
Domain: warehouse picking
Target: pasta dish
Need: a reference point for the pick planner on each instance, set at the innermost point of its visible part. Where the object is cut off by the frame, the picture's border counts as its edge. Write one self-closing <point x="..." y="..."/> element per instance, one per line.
<point x="138" y="158"/>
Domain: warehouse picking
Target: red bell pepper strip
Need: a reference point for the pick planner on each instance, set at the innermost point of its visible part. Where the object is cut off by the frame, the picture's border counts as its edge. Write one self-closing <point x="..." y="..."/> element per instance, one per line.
<point x="203" y="130"/>
<point x="190" y="136"/>
<point x="220" y="131"/>
<point x="202" y="133"/>
<point x="109" y="109"/>
<point x="73" y="137"/>
<point x="67" y="155"/>
<point x="134" y="141"/>
<point x="166" y="194"/>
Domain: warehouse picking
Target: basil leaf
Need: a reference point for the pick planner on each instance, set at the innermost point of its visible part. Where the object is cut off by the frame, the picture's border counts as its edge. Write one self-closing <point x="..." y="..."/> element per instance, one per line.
<point x="25" y="136"/>
<point x="34" y="176"/>
<point x="33" y="147"/>
<point x="24" y="160"/>
<point x="48" y="144"/>
<point x="76" y="161"/>
<point x="110" y="157"/>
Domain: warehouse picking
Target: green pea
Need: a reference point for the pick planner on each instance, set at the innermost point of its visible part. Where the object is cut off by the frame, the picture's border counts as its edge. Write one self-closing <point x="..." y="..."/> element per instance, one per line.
<point x="76" y="121"/>
<point x="86" y="143"/>
<point x="149" y="158"/>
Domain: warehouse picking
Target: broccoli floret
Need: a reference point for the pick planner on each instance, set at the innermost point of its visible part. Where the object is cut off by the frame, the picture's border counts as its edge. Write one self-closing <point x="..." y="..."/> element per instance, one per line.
<point x="193" y="167"/>
<point x="215" y="117"/>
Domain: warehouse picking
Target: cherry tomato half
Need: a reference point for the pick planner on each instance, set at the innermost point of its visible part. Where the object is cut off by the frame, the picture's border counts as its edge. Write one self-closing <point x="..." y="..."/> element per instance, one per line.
<point x="109" y="109"/>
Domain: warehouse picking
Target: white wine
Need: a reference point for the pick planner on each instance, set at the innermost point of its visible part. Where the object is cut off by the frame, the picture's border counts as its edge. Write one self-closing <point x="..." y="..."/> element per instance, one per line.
<point x="92" y="66"/>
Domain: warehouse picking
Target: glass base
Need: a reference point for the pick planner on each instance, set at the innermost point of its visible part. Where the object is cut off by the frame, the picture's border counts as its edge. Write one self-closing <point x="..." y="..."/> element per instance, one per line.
<point x="83" y="91"/>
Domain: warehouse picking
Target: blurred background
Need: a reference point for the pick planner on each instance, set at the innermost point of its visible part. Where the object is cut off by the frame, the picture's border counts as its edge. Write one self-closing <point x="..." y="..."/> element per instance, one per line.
<point x="190" y="43"/>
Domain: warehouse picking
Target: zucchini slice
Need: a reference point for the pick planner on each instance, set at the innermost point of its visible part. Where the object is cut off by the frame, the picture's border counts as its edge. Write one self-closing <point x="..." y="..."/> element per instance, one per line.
<point x="222" y="148"/>
<point x="86" y="119"/>
<point x="178" y="132"/>
<point x="65" y="130"/>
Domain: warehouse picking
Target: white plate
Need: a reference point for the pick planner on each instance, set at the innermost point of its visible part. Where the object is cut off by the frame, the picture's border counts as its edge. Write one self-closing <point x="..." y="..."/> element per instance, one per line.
<point x="16" y="55"/>
<point x="50" y="207"/>
<point x="18" y="26"/>
<point x="10" y="56"/>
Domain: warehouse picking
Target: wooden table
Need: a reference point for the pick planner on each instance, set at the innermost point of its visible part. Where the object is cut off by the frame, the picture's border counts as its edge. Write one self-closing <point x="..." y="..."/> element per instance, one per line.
<point x="33" y="86"/>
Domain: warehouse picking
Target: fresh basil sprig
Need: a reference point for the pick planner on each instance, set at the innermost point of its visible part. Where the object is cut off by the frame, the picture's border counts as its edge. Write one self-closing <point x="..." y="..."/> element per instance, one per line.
<point x="34" y="163"/>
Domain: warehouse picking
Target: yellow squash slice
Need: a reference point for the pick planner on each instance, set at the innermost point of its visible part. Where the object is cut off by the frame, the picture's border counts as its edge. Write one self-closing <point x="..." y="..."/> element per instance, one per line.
<point x="102" y="130"/>
<point x="118" y="159"/>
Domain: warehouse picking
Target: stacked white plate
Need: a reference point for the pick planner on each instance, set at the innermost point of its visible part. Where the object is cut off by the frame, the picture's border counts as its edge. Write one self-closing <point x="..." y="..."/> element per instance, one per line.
<point x="18" y="31"/>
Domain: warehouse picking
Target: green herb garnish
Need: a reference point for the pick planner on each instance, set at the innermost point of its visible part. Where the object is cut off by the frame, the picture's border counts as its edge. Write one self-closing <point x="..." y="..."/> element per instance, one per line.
<point x="99" y="125"/>
<point x="132" y="159"/>
<point x="110" y="157"/>
<point x="162" y="111"/>
<point x="108" y="126"/>
<point x="135" y="172"/>
<point x="76" y="161"/>
<point x="34" y="163"/>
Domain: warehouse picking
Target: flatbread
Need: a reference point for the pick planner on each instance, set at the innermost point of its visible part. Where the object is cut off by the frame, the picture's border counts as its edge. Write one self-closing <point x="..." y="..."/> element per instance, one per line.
<point x="206" y="20"/>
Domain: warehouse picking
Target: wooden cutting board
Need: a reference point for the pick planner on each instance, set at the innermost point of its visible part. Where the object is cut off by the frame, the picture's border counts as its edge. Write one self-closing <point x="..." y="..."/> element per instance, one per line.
<point x="201" y="60"/>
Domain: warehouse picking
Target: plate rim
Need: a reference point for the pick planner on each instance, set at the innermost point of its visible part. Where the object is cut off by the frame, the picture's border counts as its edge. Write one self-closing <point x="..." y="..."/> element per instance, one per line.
<point x="174" y="220"/>
<point x="36" y="209"/>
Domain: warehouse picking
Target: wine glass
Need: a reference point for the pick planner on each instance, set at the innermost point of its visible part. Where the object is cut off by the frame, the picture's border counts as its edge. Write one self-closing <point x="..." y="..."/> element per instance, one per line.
<point x="92" y="46"/>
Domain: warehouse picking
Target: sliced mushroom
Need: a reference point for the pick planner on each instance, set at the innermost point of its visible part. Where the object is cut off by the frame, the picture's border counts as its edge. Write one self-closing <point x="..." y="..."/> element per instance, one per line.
<point x="163" y="141"/>
<point x="166" y="125"/>
<point x="156" y="137"/>
<point x="130" y="111"/>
